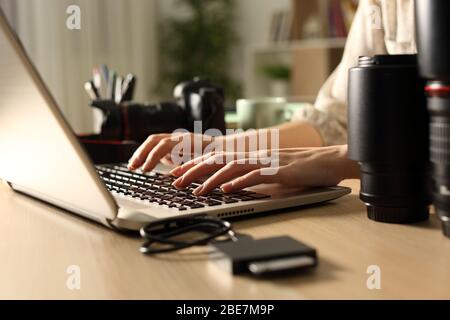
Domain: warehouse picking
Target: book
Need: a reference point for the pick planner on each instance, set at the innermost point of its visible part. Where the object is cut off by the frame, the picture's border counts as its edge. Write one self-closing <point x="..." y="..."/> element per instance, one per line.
<point x="340" y="15"/>
<point x="281" y="26"/>
<point x="313" y="19"/>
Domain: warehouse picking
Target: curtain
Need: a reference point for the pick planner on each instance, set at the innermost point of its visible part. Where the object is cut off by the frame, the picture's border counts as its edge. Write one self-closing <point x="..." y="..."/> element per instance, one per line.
<point x="119" y="33"/>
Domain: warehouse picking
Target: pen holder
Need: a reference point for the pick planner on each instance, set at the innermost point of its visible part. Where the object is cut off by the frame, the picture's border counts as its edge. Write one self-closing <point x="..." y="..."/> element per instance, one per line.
<point x="109" y="119"/>
<point x="136" y="121"/>
<point x="103" y="151"/>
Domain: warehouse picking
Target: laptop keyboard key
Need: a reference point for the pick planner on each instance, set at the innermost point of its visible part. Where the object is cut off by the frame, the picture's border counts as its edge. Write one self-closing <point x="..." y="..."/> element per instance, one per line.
<point x="259" y="196"/>
<point x="212" y="203"/>
<point x="196" y="206"/>
<point x="246" y="198"/>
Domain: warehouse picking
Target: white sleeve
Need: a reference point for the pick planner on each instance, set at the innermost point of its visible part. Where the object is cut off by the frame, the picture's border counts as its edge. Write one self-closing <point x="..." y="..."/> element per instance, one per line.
<point x="329" y="113"/>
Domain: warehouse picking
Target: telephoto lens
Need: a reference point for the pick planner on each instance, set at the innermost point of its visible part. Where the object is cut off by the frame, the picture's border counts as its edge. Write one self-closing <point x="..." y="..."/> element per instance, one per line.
<point x="433" y="46"/>
<point x="388" y="136"/>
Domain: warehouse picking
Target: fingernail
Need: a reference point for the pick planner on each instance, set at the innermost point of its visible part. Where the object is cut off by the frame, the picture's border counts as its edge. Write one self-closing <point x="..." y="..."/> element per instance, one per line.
<point x="198" y="190"/>
<point x="177" y="182"/>
<point x="132" y="165"/>
<point x="226" y="186"/>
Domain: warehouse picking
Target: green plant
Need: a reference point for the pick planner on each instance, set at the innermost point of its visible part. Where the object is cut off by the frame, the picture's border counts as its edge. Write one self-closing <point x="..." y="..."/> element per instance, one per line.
<point x="199" y="44"/>
<point x="277" y="72"/>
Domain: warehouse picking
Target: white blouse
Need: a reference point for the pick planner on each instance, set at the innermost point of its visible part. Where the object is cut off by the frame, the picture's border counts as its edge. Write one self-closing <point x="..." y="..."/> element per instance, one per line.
<point x="379" y="27"/>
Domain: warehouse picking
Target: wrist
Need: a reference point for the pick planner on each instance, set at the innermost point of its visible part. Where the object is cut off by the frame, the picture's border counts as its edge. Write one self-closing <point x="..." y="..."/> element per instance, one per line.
<point x="349" y="169"/>
<point x="239" y="142"/>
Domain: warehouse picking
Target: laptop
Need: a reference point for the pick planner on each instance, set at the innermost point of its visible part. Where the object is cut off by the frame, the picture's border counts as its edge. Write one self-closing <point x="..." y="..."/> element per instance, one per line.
<point x="41" y="157"/>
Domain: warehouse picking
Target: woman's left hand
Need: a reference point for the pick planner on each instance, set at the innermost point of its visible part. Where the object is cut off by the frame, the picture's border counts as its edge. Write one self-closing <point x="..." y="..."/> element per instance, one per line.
<point x="305" y="167"/>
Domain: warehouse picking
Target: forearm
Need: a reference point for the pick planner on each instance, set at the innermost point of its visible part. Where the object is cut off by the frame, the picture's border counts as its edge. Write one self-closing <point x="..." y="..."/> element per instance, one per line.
<point x="299" y="134"/>
<point x="288" y="135"/>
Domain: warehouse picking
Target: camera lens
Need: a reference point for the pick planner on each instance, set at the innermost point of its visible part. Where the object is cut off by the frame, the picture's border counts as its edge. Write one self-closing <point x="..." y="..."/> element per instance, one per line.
<point x="433" y="42"/>
<point x="388" y="136"/>
<point x="439" y="108"/>
<point x="433" y="46"/>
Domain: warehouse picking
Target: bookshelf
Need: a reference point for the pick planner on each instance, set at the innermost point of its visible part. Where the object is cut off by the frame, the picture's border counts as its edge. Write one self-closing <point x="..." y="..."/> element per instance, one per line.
<point x="312" y="50"/>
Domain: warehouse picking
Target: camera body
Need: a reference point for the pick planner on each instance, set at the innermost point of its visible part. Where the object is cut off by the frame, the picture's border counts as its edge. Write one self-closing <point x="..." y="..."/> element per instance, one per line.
<point x="196" y="100"/>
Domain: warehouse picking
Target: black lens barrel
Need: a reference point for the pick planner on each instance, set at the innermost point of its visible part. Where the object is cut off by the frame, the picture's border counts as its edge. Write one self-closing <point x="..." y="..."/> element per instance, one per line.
<point x="388" y="136"/>
<point x="433" y="38"/>
<point x="433" y="46"/>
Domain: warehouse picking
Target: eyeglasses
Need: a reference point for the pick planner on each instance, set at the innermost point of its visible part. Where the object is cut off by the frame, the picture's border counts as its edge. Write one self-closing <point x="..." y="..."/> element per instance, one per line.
<point x="175" y="234"/>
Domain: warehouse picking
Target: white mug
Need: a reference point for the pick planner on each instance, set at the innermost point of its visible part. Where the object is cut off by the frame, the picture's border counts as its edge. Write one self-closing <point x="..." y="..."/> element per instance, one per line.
<point x="261" y="113"/>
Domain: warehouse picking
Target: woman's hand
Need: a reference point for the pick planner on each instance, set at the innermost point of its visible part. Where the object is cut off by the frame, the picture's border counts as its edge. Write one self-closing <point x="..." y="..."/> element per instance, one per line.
<point x="187" y="146"/>
<point x="158" y="147"/>
<point x="312" y="167"/>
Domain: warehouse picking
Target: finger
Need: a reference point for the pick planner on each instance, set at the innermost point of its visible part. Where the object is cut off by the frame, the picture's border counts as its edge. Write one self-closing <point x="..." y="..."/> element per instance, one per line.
<point x="181" y="170"/>
<point x="140" y="155"/>
<point x="201" y="170"/>
<point x="167" y="160"/>
<point x="158" y="152"/>
<point x="221" y="157"/>
<point x="249" y="180"/>
<point x="227" y="173"/>
<point x="193" y="170"/>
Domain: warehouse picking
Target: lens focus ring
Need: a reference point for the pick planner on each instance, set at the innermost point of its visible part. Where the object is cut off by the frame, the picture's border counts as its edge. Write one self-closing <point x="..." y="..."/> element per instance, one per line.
<point x="439" y="142"/>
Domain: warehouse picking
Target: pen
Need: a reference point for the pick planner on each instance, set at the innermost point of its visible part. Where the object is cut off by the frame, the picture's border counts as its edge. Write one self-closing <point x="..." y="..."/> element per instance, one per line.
<point x="111" y="85"/>
<point x="104" y="72"/>
<point x="128" y="87"/>
<point x="91" y="90"/>
<point x="118" y="90"/>
<point x="97" y="79"/>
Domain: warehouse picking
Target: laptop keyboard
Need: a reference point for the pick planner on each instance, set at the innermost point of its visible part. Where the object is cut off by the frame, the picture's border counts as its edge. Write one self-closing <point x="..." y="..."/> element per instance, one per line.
<point x="157" y="188"/>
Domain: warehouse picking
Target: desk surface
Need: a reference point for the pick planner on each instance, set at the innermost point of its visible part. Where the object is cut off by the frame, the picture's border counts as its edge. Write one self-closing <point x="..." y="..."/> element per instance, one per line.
<point x="38" y="243"/>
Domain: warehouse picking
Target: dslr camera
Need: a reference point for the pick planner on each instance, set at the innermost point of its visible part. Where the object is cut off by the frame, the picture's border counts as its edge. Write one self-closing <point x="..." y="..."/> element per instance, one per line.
<point x="195" y="100"/>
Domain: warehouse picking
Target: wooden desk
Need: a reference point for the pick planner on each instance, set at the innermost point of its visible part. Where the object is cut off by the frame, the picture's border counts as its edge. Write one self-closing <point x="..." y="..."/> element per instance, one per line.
<point x="38" y="243"/>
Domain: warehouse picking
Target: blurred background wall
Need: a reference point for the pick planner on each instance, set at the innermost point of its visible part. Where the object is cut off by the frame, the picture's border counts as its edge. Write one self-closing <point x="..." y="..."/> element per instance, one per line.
<point x="119" y="33"/>
<point x="295" y="43"/>
<point x="251" y="22"/>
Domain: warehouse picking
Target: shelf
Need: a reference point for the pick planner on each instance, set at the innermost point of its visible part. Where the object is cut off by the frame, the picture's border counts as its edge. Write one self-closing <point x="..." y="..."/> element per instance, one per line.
<point x="299" y="44"/>
<point x="312" y="61"/>
<point x="312" y="56"/>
